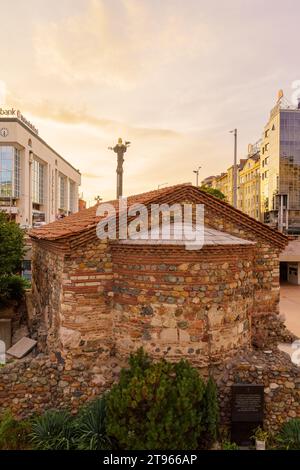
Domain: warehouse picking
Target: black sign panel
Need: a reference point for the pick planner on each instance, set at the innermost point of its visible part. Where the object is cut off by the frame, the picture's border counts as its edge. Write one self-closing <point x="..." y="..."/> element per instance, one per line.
<point x="247" y="411"/>
<point x="247" y="403"/>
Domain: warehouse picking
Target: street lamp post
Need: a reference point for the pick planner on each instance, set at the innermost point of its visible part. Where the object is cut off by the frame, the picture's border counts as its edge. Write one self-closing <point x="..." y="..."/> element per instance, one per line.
<point x="234" y="132"/>
<point x="197" y="175"/>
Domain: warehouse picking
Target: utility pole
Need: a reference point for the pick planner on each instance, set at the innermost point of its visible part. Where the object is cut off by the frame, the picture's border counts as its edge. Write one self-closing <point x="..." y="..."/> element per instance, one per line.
<point x="197" y="175"/>
<point x="234" y="132"/>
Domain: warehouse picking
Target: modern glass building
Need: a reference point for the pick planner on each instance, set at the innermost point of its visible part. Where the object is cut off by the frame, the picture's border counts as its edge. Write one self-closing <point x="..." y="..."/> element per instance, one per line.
<point x="9" y="171"/>
<point x="36" y="183"/>
<point x="280" y="168"/>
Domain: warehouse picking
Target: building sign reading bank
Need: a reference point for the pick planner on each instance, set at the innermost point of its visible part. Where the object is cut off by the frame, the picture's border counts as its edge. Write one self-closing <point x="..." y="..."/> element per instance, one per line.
<point x="15" y="113"/>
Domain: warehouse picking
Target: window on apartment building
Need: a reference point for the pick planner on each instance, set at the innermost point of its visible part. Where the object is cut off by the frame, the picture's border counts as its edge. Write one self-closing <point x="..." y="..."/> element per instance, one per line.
<point x="9" y="171"/>
<point x="267" y="133"/>
<point x="62" y="192"/>
<point x="267" y="147"/>
<point x="72" y="196"/>
<point x="37" y="170"/>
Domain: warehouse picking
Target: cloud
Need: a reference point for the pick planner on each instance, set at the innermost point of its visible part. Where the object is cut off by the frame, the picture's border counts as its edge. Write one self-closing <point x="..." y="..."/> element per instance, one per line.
<point x="3" y="92"/>
<point x="79" y="116"/>
<point x="117" y="44"/>
<point x="92" y="175"/>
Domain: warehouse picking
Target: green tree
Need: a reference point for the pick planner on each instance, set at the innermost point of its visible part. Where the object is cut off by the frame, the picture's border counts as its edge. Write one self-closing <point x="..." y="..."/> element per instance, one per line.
<point x="158" y="405"/>
<point x="214" y="192"/>
<point x="11" y="246"/>
<point x="11" y="254"/>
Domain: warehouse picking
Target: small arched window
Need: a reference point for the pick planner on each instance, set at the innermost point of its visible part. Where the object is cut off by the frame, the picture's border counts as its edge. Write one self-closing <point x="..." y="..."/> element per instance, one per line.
<point x="30" y="143"/>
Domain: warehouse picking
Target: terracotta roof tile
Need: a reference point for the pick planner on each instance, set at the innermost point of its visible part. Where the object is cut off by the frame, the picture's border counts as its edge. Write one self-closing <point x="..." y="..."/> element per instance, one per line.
<point x="85" y="220"/>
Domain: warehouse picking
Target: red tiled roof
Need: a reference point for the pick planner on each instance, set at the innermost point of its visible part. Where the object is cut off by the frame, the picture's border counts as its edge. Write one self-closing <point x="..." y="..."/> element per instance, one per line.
<point x="85" y="220"/>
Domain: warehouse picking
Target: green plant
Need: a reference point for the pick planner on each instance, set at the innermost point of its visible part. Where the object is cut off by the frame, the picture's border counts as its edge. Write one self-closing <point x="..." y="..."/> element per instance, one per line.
<point x="90" y="427"/>
<point x="14" y="434"/>
<point x="260" y="434"/>
<point x="12" y="287"/>
<point x="11" y="246"/>
<point x="53" y="430"/>
<point x="158" y="406"/>
<point x="227" y="445"/>
<point x="214" y="192"/>
<point x="289" y="436"/>
<point x="211" y="407"/>
<point x="11" y="254"/>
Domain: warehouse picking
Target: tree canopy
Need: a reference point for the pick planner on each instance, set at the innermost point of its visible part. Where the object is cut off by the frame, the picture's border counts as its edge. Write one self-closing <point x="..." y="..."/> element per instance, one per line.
<point x="214" y="192"/>
<point x="11" y="246"/>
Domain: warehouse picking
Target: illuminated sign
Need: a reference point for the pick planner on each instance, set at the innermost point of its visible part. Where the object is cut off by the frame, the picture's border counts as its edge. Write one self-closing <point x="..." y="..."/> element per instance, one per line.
<point x="15" y="113"/>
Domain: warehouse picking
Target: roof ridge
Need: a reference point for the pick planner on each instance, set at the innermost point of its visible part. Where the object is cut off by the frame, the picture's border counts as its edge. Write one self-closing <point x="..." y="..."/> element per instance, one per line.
<point x="80" y="222"/>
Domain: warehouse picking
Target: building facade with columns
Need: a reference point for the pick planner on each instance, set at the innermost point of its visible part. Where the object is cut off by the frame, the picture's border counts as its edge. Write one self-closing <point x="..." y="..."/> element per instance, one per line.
<point x="36" y="183"/>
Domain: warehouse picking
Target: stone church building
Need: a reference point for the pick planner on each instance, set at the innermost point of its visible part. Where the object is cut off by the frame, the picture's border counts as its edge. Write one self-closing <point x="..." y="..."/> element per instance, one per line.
<point x="97" y="297"/>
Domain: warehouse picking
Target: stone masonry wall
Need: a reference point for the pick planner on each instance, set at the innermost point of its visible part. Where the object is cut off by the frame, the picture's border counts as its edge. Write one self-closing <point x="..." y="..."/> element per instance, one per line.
<point x="33" y="385"/>
<point x="86" y="316"/>
<point x="274" y="370"/>
<point x="265" y="266"/>
<point x="177" y="303"/>
<point x="73" y="294"/>
<point x="47" y="271"/>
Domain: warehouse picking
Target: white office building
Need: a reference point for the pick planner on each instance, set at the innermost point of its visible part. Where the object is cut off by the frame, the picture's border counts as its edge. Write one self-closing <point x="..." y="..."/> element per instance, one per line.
<point x="36" y="183"/>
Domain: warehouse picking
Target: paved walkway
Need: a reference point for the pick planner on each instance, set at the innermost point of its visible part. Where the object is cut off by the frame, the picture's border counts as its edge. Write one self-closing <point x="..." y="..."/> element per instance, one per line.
<point x="290" y="307"/>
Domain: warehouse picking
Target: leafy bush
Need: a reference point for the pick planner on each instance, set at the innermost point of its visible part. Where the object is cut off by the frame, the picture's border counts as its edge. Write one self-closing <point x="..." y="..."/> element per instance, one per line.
<point x="214" y="192"/>
<point x="289" y="436"/>
<point x="14" y="435"/>
<point x="11" y="254"/>
<point x="90" y="427"/>
<point x="211" y="416"/>
<point x="227" y="445"/>
<point x="12" y="287"/>
<point x="159" y="406"/>
<point x="11" y="245"/>
<point x="53" y="431"/>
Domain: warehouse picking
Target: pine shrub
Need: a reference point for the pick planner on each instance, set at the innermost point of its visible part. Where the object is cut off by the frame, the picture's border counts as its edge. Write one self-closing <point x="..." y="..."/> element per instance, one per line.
<point x="160" y="405"/>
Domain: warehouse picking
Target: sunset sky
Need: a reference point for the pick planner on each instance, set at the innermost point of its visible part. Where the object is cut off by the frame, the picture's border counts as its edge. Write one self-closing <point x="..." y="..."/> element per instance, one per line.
<point x="172" y="76"/>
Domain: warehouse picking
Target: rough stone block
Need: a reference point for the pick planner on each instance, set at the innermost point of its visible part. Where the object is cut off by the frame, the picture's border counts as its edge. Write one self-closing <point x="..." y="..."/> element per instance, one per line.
<point x="169" y="335"/>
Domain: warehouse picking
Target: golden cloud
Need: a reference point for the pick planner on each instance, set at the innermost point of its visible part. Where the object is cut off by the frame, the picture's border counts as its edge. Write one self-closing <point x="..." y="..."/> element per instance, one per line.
<point x="117" y="46"/>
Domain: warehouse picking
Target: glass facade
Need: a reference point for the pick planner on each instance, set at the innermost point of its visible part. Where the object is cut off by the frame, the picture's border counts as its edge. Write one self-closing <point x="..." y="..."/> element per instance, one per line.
<point x="289" y="172"/>
<point x="37" y="170"/>
<point x="9" y="171"/>
<point x="280" y="168"/>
